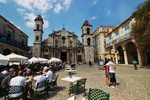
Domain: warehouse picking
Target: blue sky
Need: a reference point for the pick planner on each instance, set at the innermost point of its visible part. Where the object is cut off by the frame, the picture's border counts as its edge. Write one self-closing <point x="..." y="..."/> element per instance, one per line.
<point x="70" y="13"/>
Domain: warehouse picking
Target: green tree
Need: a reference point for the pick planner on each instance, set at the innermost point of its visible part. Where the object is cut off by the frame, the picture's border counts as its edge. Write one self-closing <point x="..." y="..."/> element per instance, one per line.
<point x="141" y="28"/>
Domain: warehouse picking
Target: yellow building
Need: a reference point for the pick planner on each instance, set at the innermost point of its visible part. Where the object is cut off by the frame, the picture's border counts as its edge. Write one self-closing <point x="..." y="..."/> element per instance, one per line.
<point x="118" y="44"/>
<point x="12" y="39"/>
<point x="99" y="42"/>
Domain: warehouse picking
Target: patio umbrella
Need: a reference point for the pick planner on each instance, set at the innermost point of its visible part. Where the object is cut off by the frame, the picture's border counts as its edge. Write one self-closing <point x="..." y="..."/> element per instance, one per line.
<point x="3" y="60"/>
<point x="33" y="60"/>
<point x="53" y="60"/>
<point x="43" y="60"/>
<point x="16" y="58"/>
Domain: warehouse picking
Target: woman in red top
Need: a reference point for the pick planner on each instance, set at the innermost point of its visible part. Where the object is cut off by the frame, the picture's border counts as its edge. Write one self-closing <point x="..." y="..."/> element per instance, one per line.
<point x="107" y="75"/>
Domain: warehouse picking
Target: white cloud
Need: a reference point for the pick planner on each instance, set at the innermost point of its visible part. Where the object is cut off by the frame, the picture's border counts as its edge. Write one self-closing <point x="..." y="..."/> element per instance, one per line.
<point x="94" y="18"/>
<point x="108" y="12"/>
<point x="58" y="8"/>
<point x="67" y="3"/>
<point x="3" y="1"/>
<point x="31" y="8"/>
<point x="95" y="2"/>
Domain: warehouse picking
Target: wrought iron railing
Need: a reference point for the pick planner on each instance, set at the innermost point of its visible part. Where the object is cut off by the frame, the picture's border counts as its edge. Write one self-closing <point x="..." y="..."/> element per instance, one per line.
<point x="12" y="42"/>
<point x="119" y="39"/>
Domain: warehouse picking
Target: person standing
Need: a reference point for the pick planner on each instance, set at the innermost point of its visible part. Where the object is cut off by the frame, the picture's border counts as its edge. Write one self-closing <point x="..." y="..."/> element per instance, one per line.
<point x="90" y="63"/>
<point x="135" y="64"/>
<point x="107" y="75"/>
<point x="112" y="73"/>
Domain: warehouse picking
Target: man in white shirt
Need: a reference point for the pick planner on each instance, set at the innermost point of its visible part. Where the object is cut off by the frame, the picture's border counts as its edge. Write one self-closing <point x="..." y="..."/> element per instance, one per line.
<point x="40" y="78"/>
<point x="112" y="73"/>
<point x="17" y="81"/>
<point x="48" y="73"/>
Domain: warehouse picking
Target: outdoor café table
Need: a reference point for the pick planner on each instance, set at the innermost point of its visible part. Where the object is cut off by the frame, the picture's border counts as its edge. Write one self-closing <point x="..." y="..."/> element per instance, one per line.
<point x="72" y="79"/>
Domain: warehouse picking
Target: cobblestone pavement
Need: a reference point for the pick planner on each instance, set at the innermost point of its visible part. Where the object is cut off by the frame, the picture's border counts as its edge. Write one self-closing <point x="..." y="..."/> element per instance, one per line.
<point x="133" y="84"/>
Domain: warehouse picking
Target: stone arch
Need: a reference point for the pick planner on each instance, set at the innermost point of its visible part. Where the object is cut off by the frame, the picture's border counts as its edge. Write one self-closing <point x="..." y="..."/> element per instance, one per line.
<point x="16" y="52"/>
<point x="37" y="38"/>
<point x="88" y="30"/>
<point x="131" y="52"/>
<point x="7" y="51"/>
<point x="121" y="55"/>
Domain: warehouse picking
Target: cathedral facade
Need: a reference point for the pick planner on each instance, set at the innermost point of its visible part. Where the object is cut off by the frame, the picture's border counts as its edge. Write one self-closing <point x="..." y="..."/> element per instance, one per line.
<point x="63" y="44"/>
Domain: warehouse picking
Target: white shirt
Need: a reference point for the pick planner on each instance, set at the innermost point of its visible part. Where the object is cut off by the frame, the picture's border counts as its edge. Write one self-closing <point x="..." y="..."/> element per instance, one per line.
<point x="5" y="72"/>
<point x="49" y="75"/>
<point x="17" y="81"/>
<point x="38" y="79"/>
<point x="111" y="69"/>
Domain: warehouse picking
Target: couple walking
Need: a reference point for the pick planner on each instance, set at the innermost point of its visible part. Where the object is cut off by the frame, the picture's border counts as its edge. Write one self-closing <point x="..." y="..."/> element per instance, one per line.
<point x="110" y="74"/>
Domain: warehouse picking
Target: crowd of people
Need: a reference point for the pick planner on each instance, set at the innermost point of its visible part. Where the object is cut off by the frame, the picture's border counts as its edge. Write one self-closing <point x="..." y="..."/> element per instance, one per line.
<point x="23" y="75"/>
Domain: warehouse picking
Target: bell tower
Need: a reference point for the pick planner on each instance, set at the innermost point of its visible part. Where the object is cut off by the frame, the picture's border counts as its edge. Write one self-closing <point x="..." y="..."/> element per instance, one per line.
<point x="87" y="40"/>
<point x="38" y="31"/>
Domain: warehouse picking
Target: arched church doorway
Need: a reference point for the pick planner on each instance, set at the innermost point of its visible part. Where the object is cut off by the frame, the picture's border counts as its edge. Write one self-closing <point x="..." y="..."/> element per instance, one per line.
<point x="121" y="55"/>
<point x="6" y="51"/>
<point x="131" y="52"/>
<point x="64" y="56"/>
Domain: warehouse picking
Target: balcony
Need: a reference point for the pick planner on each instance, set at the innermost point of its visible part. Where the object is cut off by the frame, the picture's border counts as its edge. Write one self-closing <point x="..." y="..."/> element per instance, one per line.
<point x="13" y="42"/>
<point x="119" y="39"/>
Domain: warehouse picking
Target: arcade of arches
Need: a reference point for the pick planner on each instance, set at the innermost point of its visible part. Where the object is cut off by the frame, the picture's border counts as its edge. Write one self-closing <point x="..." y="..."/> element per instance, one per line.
<point x="125" y="54"/>
<point x="7" y="49"/>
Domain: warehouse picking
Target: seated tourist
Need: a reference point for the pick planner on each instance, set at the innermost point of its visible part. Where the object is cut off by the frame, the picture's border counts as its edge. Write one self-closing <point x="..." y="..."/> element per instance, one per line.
<point x="17" y="81"/>
<point x="48" y="73"/>
<point x="39" y="79"/>
<point x="28" y="74"/>
<point x="5" y="71"/>
<point x="6" y="80"/>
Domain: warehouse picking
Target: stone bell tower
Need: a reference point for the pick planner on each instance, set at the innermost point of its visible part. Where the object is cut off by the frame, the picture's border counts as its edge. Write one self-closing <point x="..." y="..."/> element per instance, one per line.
<point x="87" y="40"/>
<point x="38" y="31"/>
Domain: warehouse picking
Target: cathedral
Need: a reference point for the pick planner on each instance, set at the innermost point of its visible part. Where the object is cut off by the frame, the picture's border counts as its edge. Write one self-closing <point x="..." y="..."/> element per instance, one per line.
<point x="63" y="44"/>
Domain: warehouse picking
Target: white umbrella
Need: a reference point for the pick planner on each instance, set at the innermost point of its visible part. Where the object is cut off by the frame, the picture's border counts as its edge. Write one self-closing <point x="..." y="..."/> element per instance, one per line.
<point x="54" y="60"/>
<point x="16" y="58"/>
<point x="3" y="60"/>
<point x="33" y="60"/>
<point x="43" y="60"/>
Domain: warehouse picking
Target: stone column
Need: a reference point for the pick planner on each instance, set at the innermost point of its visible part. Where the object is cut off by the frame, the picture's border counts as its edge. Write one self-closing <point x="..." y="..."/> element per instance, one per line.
<point x="125" y="56"/>
<point x="139" y="57"/>
<point x="116" y="57"/>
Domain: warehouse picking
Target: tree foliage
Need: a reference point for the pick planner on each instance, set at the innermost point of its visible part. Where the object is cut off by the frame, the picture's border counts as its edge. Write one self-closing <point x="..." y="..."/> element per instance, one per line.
<point x="141" y="28"/>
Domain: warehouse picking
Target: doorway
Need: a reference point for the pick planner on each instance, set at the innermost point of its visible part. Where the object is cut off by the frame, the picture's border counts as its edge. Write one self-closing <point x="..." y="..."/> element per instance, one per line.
<point x="64" y="56"/>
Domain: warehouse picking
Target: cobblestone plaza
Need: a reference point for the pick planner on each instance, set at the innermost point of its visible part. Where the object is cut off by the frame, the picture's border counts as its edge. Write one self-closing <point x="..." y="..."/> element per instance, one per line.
<point x="133" y="84"/>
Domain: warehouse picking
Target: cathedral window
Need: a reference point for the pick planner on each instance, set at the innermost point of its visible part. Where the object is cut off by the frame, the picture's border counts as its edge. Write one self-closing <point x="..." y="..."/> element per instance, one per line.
<point x="88" y="31"/>
<point x="37" y="38"/>
<point x="88" y="41"/>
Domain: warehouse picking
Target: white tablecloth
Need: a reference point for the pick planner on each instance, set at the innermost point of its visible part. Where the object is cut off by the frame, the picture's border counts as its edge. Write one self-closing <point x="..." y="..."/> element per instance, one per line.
<point x="74" y="78"/>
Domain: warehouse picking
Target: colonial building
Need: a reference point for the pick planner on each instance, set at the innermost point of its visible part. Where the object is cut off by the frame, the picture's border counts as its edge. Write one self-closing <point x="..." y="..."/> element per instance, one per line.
<point x="12" y="39"/>
<point x="99" y="42"/>
<point x="122" y="47"/>
<point x="63" y="44"/>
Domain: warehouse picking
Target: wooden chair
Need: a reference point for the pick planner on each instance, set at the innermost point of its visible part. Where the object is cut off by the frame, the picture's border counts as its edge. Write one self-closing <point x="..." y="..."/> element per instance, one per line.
<point x="14" y="90"/>
<point x="39" y="85"/>
<point x="97" y="94"/>
<point x="78" y="88"/>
